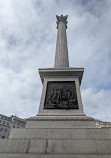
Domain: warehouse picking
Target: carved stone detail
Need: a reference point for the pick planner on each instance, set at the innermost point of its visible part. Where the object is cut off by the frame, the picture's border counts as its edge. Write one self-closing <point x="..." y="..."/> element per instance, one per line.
<point x="61" y="95"/>
<point x="61" y="19"/>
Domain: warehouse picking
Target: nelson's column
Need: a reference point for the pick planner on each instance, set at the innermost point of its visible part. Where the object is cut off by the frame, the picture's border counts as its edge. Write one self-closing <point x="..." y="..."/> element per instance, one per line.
<point x="61" y="129"/>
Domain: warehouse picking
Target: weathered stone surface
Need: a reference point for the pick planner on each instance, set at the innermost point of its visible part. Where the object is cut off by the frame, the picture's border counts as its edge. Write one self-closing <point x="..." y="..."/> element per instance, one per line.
<point x="14" y="145"/>
<point x="62" y="133"/>
<point x="54" y="156"/>
<point x="37" y="146"/>
<point x="56" y="146"/>
<point x="61" y="122"/>
<point x="75" y="146"/>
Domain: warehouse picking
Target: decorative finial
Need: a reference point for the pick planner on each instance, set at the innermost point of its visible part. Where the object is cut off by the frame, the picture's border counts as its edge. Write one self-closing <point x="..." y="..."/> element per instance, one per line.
<point x="61" y="19"/>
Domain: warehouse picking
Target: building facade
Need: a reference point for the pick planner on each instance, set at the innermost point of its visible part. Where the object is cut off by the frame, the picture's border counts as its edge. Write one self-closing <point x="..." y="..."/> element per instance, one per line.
<point x="101" y="124"/>
<point x="7" y="123"/>
<point x="18" y="122"/>
<point x="5" y="126"/>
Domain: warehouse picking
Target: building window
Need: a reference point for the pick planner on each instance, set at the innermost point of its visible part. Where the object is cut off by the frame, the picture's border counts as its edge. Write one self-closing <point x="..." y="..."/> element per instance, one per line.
<point x="8" y="123"/>
<point x="0" y="121"/>
<point x="5" y="130"/>
<point x="3" y="117"/>
<point x="8" y="119"/>
<point x="4" y="122"/>
<point x="1" y="128"/>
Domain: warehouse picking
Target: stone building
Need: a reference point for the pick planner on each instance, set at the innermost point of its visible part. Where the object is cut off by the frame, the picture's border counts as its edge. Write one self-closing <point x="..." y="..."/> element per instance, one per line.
<point x="18" y="122"/>
<point x="8" y="123"/>
<point x="101" y="124"/>
<point x="5" y="126"/>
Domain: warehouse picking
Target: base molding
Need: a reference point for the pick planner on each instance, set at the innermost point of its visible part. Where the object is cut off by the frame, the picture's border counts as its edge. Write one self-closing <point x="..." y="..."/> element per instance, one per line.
<point x="27" y="155"/>
<point x="62" y="136"/>
<point x="71" y="121"/>
<point x="61" y="133"/>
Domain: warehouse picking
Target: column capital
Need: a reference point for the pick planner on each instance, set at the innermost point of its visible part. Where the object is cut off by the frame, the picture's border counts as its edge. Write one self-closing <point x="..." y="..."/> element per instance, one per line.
<point x="61" y="19"/>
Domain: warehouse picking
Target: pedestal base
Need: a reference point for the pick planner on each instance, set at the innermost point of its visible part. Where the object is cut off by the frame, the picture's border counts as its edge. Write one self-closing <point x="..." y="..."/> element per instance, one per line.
<point x="61" y="122"/>
<point x="57" y="146"/>
<point x="62" y="136"/>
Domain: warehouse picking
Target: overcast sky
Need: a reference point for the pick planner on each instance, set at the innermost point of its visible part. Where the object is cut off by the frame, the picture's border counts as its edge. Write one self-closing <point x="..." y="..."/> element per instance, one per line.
<point x="28" y="40"/>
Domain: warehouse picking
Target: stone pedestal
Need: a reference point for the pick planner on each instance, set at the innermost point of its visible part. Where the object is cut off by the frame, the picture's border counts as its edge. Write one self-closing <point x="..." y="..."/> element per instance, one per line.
<point x="57" y="132"/>
<point x="67" y="75"/>
<point x="61" y="122"/>
<point x="57" y="142"/>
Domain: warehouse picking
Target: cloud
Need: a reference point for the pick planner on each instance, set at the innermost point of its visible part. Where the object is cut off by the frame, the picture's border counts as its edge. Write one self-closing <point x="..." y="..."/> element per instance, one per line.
<point x="27" y="42"/>
<point x="97" y="103"/>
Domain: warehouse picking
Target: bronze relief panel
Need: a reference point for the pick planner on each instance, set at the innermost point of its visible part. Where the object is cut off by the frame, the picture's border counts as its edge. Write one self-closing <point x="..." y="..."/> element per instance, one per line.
<point x="61" y="95"/>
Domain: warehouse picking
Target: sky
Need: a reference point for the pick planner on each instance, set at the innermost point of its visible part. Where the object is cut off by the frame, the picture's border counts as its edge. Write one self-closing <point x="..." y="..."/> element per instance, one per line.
<point x="28" y="40"/>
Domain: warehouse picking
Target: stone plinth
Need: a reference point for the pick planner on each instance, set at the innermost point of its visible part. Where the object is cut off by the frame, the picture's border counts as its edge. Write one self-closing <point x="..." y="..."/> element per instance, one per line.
<point x="61" y="122"/>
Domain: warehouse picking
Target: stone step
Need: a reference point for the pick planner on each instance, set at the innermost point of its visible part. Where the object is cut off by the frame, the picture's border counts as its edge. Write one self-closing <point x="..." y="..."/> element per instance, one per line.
<point x="61" y="122"/>
<point x="53" y="156"/>
<point x="56" y="146"/>
<point x="27" y="155"/>
<point x="62" y="133"/>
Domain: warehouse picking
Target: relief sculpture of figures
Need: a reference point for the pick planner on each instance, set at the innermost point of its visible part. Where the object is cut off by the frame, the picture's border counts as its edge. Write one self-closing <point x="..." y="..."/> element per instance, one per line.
<point x="61" y="96"/>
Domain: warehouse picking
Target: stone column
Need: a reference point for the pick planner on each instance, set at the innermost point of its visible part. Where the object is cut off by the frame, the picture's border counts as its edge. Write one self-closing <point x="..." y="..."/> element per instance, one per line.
<point x="61" y="55"/>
